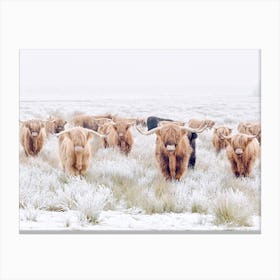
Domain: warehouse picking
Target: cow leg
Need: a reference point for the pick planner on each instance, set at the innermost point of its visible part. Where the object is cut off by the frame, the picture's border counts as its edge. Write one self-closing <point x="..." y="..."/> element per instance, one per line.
<point x="105" y="143"/>
<point x="26" y="153"/>
<point x="180" y="166"/>
<point x="164" y="166"/>
<point x="234" y="168"/>
<point x="70" y="169"/>
<point x="249" y="168"/>
<point x="172" y="165"/>
<point x="192" y="160"/>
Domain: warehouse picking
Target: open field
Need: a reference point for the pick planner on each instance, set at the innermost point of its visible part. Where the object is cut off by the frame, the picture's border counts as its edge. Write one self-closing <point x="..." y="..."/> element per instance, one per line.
<point x="129" y="193"/>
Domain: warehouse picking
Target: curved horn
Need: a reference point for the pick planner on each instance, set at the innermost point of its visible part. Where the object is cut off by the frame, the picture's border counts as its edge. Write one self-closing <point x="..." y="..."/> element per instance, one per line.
<point x="198" y="130"/>
<point x="86" y="129"/>
<point x="62" y="132"/>
<point x="95" y="133"/>
<point x="149" y="132"/>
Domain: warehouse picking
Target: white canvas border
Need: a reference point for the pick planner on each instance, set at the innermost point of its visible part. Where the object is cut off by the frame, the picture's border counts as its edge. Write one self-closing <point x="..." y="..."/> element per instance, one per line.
<point x="110" y="24"/>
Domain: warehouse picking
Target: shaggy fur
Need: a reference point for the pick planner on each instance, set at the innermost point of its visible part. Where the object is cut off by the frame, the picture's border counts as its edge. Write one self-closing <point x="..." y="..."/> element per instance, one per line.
<point x="90" y="122"/>
<point x="118" y="135"/>
<point x="195" y="123"/>
<point x="218" y="140"/>
<point x="74" y="151"/>
<point x="115" y="118"/>
<point x="32" y="137"/>
<point x="135" y="121"/>
<point x="153" y="122"/>
<point x="172" y="163"/>
<point x="242" y="153"/>
<point x="54" y="125"/>
<point x="250" y="129"/>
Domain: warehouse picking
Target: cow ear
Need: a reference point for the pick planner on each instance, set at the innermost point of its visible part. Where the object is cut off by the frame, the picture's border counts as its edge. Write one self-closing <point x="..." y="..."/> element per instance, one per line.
<point x="158" y="133"/>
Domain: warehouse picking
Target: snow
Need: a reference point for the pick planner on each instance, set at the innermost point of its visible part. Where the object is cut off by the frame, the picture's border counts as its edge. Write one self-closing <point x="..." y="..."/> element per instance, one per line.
<point x="129" y="193"/>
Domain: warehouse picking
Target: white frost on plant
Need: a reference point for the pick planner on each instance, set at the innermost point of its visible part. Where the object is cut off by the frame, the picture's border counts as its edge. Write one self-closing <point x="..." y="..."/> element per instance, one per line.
<point x="129" y="192"/>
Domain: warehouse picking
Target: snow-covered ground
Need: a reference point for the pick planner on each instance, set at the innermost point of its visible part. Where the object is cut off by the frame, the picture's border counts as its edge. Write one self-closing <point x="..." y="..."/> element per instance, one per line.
<point x="129" y="193"/>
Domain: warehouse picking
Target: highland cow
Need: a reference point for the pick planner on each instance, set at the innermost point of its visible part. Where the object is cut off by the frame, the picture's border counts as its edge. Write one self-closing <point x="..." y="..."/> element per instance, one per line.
<point x="173" y="149"/>
<point x="90" y="122"/>
<point x="74" y="149"/>
<point x="218" y="139"/>
<point x="32" y="136"/>
<point x="133" y="121"/>
<point x="242" y="152"/>
<point x="153" y="122"/>
<point x="250" y="129"/>
<point x="118" y="134"/>
<point x="116" y="118"/>
<point x="54" y="125"/>
<point x="195" y="123"/>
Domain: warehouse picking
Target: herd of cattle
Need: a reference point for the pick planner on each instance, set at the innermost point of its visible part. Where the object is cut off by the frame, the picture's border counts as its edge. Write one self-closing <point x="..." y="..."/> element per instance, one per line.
<point x="175" y="142"/>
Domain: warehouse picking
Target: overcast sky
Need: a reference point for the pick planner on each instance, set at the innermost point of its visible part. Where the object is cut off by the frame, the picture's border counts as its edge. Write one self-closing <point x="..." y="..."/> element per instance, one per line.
<point x="50" y="74"/>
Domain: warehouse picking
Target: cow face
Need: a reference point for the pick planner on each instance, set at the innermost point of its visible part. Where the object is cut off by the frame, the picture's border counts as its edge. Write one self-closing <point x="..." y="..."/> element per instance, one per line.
<point x="222" y="131"/>
<point x="170" y="136"/>
<point x="34" y="127"/>
<point x="121" y="128"/>
<point x="239" y="143"/>
<point x="59" y="125"/>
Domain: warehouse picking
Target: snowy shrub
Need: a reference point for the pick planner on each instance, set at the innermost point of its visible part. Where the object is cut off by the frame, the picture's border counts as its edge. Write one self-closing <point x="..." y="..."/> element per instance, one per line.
<point x="232" y="208"/>
<point x="116" y="183"/>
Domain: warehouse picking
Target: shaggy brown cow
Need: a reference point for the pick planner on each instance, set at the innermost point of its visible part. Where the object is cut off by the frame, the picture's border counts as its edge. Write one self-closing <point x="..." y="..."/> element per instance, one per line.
<point x="74" y="149"/>
<point x="32" y="136"/>
<point x="173" y="149"/>
<point x="242" y="152"/>
<point x="118" y="135"/>
<point x="90" y="122"/>
<point x="195" y="123"/>
<point x="218" y="139"/>
<point x="54" y="125"/>
<point x="136" y="121"/>
<point x="250" y="129"/>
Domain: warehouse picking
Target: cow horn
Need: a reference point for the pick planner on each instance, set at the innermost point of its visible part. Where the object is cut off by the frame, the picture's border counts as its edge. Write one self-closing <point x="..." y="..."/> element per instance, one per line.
<point x="149" y="132"/>
<point x="62" y="132"/>
<point x="198" y="130"/>
<point x="96" y="133"/>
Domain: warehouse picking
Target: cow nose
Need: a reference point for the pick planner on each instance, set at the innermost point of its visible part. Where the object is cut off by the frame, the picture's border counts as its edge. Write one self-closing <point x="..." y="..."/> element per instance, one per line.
<point x="239" y="151"/>
<point x="34" y="133"/>
<point x="121" y="134"/>
<point x="170" y="147"/>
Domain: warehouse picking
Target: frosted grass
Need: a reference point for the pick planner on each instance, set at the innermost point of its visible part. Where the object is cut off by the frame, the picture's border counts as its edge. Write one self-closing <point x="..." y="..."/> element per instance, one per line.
<point x="129" y="192"/>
